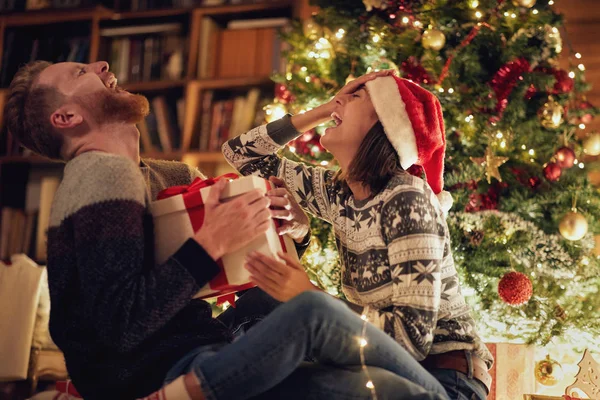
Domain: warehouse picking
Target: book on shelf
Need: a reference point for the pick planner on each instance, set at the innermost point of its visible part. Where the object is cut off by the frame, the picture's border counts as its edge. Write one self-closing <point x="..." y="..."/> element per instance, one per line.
<point x="20" y="48"/>
<point x="27" y="195"/>
<point x="146" y="52"/>
<point x="144" y="5"/>
<point x="251" y="48"/>
<point x="258" y="23"/>
<point x="161" y="129"/>
<point x="224" y="119"/>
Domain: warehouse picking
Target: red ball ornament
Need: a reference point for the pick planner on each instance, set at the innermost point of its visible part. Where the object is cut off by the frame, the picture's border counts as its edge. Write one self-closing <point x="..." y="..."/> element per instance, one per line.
<point x="587" y="118"/>
<point x="552" y="172"/>
<point x="565" y="157"/>
<point x="564" y="83"/>
<point x="515" y="288"/>
<point x="283" y="94"/>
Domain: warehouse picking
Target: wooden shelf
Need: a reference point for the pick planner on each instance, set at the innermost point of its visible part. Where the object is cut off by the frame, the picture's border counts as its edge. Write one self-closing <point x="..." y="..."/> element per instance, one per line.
<point x="229" y="83"/>
<point x="53" y="16"/>
<point x="43" y="17"/>
<point x="163" y="12"/>
<point x="241" y="8"/>
<point x="153" y="85"/>
<point x="199" y="157"/>
<point x="33" y="159"/>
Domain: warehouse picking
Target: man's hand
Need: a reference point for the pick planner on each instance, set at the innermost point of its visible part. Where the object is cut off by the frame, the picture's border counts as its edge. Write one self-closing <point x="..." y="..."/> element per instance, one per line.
<point x="228" y="226"/>
<point x="282" y="281"/>
<point x="286" y="208"/>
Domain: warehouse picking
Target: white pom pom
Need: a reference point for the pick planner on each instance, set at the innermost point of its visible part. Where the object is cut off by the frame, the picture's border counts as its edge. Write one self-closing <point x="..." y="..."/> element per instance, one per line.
<point x="446" y="201"/>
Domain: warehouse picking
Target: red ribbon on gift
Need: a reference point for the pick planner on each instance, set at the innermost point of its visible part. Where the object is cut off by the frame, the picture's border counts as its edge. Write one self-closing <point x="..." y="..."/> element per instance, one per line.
<point x="193" y="202"/>
<point x="66" y="387"/>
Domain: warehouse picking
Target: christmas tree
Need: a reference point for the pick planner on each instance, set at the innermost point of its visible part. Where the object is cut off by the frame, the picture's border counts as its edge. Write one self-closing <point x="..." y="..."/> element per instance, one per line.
<point x="518" y="152"/>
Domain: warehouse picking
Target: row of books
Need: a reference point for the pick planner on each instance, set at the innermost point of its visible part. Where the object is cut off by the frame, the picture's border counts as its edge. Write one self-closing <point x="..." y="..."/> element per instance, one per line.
<point x="161" y="129"/>
<point x="27" y="196"/>
<point x="144" y="53"/>
<point x="224" y="119"/>
<point x="22" y="48"/>
<point x="142" y="5"/>
<point x="21" y="5"/>
<point x="245" y="48"/>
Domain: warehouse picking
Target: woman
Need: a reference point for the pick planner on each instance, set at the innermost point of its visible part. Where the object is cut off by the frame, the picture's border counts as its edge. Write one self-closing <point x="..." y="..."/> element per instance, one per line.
<point x="389" y="225"/>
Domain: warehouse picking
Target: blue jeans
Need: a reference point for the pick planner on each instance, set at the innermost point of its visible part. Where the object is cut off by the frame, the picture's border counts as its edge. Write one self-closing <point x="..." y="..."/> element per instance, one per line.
<point x="316" y="324"/>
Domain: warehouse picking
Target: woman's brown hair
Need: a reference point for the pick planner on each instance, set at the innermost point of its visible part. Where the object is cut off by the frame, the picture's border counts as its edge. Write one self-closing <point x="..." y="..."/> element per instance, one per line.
<point x="375" y="162"/>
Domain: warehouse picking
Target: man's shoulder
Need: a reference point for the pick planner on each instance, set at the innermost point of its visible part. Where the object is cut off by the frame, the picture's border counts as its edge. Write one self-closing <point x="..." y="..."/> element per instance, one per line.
<point x="175" y="172"/>
<point x="97" y="177"/>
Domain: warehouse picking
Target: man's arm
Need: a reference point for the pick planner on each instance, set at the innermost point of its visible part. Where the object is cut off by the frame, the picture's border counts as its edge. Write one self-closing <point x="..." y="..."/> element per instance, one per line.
<point x="127" y="297"/>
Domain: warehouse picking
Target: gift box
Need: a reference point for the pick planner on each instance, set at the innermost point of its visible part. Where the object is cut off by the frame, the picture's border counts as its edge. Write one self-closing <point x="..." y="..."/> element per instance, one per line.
<point x="512" y="372"/>
<point x="179" y="213"/>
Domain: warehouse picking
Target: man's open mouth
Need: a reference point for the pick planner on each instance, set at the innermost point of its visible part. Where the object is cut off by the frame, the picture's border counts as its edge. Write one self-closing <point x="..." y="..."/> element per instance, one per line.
<point x="336" y="118"/>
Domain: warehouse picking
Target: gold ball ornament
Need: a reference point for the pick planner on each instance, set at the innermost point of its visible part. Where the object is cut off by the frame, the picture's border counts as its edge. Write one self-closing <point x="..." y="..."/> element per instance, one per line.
<point x="551" y="114"/>
<point x="591" y="145"/>
<point x="573" y="226"/>
<point x="433" y="39"/>
<point x="548" y="372"/>
<point x="524" y="3"/>
<point x="311" y="29"/>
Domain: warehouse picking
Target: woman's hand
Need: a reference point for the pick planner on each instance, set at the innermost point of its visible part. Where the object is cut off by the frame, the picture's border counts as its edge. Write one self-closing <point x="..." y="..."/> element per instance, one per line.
<point x="282" y="281"/>
<point x="285" y="208"/>
<point x="321" y="114"/>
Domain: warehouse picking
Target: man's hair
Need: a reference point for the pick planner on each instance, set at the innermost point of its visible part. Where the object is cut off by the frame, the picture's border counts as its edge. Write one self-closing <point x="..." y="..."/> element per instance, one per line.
<point x="28" y="110"/>
<point x="375" y="162"/>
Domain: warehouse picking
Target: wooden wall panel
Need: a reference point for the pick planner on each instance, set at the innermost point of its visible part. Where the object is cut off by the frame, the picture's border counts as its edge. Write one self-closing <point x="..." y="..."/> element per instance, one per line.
<point x="582" y="19"/>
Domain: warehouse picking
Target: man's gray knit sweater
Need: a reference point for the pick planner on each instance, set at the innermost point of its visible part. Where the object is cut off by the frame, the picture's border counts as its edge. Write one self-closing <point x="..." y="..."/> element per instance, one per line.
<point x="121" y="320"/>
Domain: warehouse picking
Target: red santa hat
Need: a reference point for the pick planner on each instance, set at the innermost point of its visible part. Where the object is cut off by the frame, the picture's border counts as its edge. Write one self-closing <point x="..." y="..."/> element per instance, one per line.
<point x="413" y="122"/>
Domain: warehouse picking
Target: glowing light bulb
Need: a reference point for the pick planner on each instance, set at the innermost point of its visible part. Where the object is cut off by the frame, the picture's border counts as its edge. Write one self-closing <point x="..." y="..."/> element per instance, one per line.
<point x="581" y="67"/>
<point x="524" y="147"/>
<point x="581" y="165"/>
<point x="292" y="149"/>
<point x="324" y="163"/>
<point x="535" y="11"/>
<point x="370" y="385"/>
<point x="513" y="15"/>
<point x="376" y="38"/>
<point x="441" y="90"/>
<point x="474" y="4"/>
<point x="571" y="74"/>
<point x="307" y="79"/>
<point x="340" y="33"/>
<point x="478" y="15"/>
<point x="363" y="342"/>
<point x="578" y="55"/>
<point x="363" y="317"/>
<point x="499" y="135"/>
<point x="405" y="20"/>
<point x="450" y="90"/>
<point x="531" y="152"/>
<point x="581" y="126"/>
<point x="551" y="2"/>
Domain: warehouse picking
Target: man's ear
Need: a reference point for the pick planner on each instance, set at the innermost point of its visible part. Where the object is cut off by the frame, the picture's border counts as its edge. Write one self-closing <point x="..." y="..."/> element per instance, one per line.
<point x="66" y="117"/>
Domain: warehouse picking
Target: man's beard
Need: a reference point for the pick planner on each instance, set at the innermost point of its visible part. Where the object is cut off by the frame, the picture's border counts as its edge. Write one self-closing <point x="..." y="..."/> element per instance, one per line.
<point x="116" y="106"/>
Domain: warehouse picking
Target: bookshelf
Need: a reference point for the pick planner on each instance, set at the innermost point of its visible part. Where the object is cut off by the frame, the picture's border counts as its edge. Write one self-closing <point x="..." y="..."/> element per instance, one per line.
<point x="176" y="85"/>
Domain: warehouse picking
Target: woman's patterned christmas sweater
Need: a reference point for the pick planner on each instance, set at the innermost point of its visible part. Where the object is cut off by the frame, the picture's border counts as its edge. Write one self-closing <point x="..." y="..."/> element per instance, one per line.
<point x="394" y="247"/>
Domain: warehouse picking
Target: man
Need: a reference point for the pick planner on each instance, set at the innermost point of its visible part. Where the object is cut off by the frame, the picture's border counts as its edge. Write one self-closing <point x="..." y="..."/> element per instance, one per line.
<point x="121" y="321"/>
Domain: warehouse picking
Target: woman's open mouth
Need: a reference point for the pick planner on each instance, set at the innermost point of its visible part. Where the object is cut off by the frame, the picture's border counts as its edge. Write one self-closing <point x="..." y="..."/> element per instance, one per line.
<point x="336" y="118"/>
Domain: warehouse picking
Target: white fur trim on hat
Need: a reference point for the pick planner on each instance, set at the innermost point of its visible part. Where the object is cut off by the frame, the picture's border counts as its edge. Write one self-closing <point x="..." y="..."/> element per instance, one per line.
<point x="391" y="111"/>
<point x="446" y="200"/>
